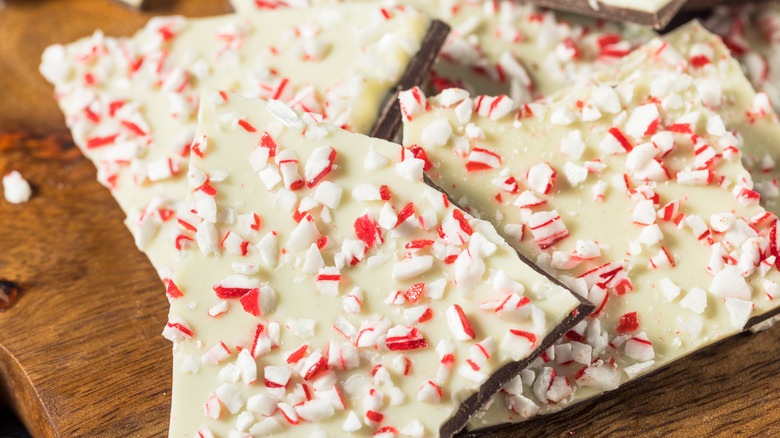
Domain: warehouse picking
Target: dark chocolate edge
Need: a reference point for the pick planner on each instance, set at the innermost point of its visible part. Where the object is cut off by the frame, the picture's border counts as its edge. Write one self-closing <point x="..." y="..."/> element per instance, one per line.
<point x="493" y="385"/>
<point x="758" y="319"/>
<point x="475" y="402"/>
<point x="597" y="399"/>
<point x="389" y="121"/>
<point x="658" y="20"/>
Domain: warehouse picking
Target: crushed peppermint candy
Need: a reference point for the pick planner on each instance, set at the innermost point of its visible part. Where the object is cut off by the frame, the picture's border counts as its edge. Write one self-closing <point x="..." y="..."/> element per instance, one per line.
<point x="15" y="188"/>
<point x="677" y="224"/>
<point x="407" y="299"/>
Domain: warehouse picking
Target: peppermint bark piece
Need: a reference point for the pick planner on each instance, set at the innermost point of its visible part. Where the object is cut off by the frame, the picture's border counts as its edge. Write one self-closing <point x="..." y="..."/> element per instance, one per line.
<point x="333" y="291"/>
<point x="131" y="103"/>
<point x="512" y="48"/>
<point x="634" y="196"/>
<point x="725" y="89"/>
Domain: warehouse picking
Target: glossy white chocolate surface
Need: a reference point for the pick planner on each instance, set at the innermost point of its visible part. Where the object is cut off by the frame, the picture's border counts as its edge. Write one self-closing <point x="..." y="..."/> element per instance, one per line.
<point x="389" y="266"/>
<point x="572" y="133"/>
<point x="131" y="103"/>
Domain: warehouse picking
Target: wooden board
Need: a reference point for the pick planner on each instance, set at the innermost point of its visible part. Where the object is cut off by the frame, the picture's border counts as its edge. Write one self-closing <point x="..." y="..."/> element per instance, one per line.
<point x="80" y="350"/>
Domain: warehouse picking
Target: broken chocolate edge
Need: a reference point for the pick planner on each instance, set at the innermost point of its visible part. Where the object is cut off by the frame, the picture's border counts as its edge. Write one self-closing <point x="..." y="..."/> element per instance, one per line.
<point x="598" y="399"/>
<point x="658" y="20"/>
<point x="493" y="385"/>
<point x="389" y="121"/>
<point x="501" y="377"/>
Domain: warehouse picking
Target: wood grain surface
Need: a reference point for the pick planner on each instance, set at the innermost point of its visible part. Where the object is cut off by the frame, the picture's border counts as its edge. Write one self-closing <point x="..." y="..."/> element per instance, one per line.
<point x="80" y="350"/>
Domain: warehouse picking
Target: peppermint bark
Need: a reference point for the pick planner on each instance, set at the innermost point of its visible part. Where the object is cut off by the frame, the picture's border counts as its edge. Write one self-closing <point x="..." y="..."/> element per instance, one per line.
<point x="333" y="290"/>
<point x="131" y="103"/>
<point x="634" y="195"/>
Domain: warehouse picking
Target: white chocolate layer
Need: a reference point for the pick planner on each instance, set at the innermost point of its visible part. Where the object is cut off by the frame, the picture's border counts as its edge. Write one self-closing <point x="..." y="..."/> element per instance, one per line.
<point x="512" y="48"/>
<point x="380" y="257"/>
<point x="591" y="178"/>
<point x="131" y="103"/>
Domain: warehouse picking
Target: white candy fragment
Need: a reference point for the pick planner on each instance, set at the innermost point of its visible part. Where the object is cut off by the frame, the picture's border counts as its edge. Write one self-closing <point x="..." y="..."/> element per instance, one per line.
<point x="207" y="238"/>
<point x="304" y="234"/>
<point x="231" y="397"/>
<point x="412" y="267"/>
<point x="643" y="121"/>
<point x="739" y="310"/>
<point x="573" y="146"/>
<point x="177" y="329"/>
<point x="638" y="368"/>
<point x="429" y="392"/>
<point x="640" y="348"/>
<point x="606" y="99"/>
<point x="411" y="168"/>
<point x="315" y="410"/>
<point x="351" y="423"/>
<point x="493" y="107"/>
<point x="437" y="133"/>
<point x="522" y="406"/>
<point x="730" y="283"/>
<point x="644" y="213"/>
<point x="541" y="178"/>
<point x="517" y="344"/>
<point x="459" y="325"/>
<point x="562" y="117"/>
<point x="669" y="290"/>
<point x="412" y="102"/>
<point x="695" y="300"/>
<point x="262" y="404"/>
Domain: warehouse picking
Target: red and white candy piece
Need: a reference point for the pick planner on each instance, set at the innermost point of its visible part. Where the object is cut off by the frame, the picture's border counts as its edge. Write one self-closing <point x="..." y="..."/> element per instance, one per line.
<point x="259" y="301"/>
<point x="640" y="348"/>
<point x="517" y="344"/>
<point x="547" y="228"/>
<point x="430" y="392"/>
<point x="481" y="159"/>
<point x="319" y="165"/>
<point x="177" y="329"/>
<point x="459" y="324"/>
<point x="235" y="286"/>
<point x="541" y="178"/>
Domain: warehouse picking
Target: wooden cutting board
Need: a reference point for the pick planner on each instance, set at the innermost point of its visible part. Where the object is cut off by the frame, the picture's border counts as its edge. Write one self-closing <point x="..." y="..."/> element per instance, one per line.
<point x="80" y="349"/>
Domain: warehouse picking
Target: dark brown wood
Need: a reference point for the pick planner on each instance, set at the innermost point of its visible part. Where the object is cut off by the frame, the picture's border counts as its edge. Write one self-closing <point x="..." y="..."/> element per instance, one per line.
<point x="83" y="336"/>
<point x="80" y="350"/>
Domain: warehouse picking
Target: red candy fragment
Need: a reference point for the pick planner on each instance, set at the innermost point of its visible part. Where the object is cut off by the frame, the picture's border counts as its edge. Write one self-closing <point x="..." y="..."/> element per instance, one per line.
<point x="415" y="292"/>
<point x="367" y="229"/>
<point x="405" y="214"/>
<point x="628" y="323"/>
<point x="267" y="142"/>
<point x="172" y="290"/>
<point x="412" y="340"/>
<point x="419" y="153"/>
